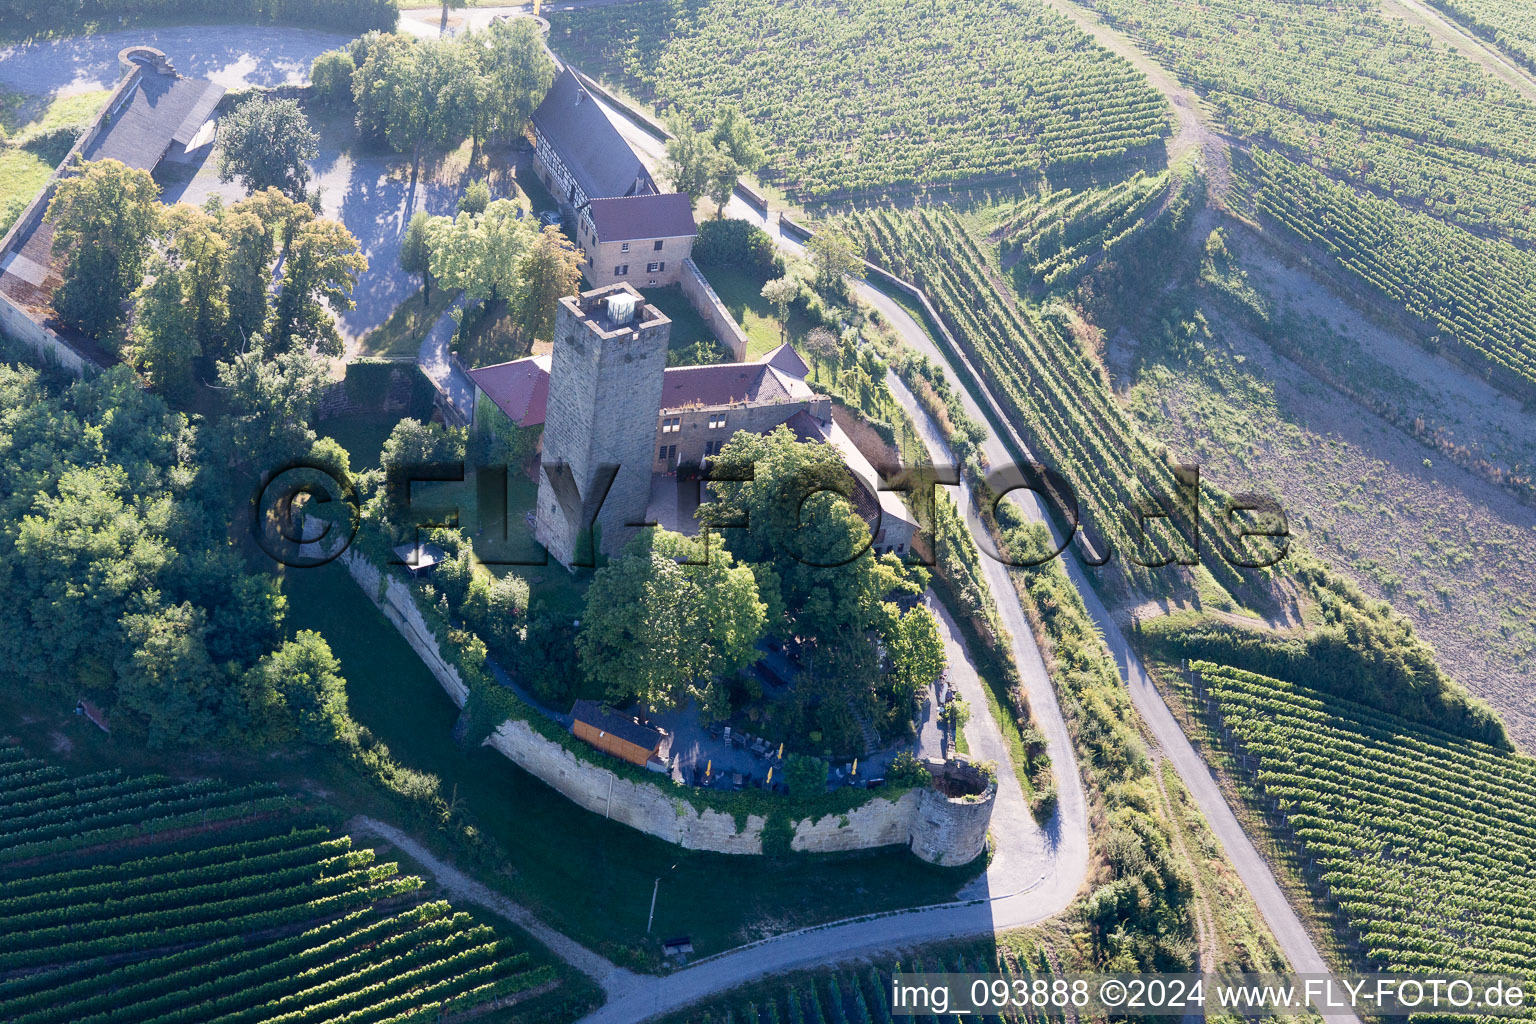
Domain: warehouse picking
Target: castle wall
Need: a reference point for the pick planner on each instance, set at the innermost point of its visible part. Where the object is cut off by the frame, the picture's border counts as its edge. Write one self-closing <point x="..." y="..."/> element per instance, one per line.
<point x="950" y="832"/>
<point x="707" y="302"/>
<point x="937" y="829"/>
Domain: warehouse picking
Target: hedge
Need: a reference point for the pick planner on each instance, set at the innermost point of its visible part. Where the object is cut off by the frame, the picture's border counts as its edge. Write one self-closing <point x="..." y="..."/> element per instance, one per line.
<point x="70" y="17"/>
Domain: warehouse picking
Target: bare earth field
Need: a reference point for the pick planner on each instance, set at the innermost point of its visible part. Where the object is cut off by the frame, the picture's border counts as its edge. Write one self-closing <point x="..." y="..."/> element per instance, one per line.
<point x="1453" y="551"/>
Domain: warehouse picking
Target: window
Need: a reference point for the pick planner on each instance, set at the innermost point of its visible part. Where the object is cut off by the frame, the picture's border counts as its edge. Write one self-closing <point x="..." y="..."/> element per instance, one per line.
<point x="661" y="456"/>
<point x="717" y="422"/>
<point x="709" y="447"/>
<point x="655" y="268"/>
<point x="672" y="426"/>
<point x="621" y="270"/>
<point x="623" y="247"/>
<point x="657" y="247"/>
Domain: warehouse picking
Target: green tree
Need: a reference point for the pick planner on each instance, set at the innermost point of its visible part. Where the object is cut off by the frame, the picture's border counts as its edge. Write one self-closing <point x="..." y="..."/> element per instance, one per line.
<point x="323" y="263"/>
<point x="834" y="259"/>
<point x="383" y="61"/>
<point x="476" y="197"/>
<point x="550" y="269"/>
<point x="917" y="654"/>
<point x="271" y="403"/>
<point x="164" y="332"/>
<point x="805" y="776"/>
<point x="734" y="139"/>
<point x="416" y="251"/>
<point x="331" y="77"/>
<point x="298" y="691"/>
<point x="165" y="676"/>
<point x="906" y="770"/>
<point x="663" y="632"/>
<point x="429" y="98"/>
<point x="519" y="71"/>
<point x="103" y="219"/>
<point x="251" y="228"/>
<point x="480" y="255"/>
<point x="268" y="143"/>
<point x="782" y="292"/>
<point x="690" y="158"/>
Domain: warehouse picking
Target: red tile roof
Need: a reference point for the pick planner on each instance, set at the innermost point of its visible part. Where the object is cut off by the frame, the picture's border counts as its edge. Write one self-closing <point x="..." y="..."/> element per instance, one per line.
<point x="638" y="217"/>
<point x="519" y="388"/>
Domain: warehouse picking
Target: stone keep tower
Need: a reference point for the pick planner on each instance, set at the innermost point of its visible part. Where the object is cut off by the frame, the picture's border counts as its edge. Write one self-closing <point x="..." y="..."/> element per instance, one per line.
<point x="605" y="381"/>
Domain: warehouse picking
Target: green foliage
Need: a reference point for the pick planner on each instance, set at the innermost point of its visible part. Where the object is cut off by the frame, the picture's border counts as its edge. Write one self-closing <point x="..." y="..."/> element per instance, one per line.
<point x="267" y="143"/>
<point x="549" y="270"/>
<point x="330" y="77"/>
<point x="905" y="770"/>
<point x="103" y="219"/>
<point x="480" y="255"/>
<point x="1418" y="835"/>
<point x="778" y="836"/>
<point x="664" y="623"/>
<point x="917" y="654"/>
<point x="323" y="261"/>
<point x="955" y="714"/>
<point x="297" y="690"/>
<point x="1363" y="652"/>
<point x="888" y="96"/>
<point x="476" y="197"/>
<point x="271" y="404"/>
<point x="182" y="873"/>
<point x="730" y="242"/>
<point x="805" y="776"/>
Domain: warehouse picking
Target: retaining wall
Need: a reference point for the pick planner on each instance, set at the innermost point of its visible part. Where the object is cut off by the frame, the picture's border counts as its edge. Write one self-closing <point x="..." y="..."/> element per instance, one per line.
<point x="937" y="829"/>
<point x="50" y="348"/>
<point x="704" y="299"/>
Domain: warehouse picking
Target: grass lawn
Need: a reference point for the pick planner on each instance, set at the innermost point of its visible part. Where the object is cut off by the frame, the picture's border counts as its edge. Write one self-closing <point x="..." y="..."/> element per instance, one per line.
<point x="587" y="876"/>
<point x="691" y="337"/>
<point x="742" y="292"/>
<point x="493" y="336"/>
<point x="402" y="333"/>
<point x="362" y="436"/>
<point x="25" y="163"/>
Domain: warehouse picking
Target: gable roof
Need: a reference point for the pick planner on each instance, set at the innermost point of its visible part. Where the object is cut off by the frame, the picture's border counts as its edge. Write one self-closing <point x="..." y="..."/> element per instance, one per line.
<point x="589" y="145"/>
<point x="159" y="110"/>
<point x="650" y="216"/>
<point x="615" y="723"/>
<point x="519" y="388"/>
<point x="785" y="358"/>
<point x="759" y="383"/>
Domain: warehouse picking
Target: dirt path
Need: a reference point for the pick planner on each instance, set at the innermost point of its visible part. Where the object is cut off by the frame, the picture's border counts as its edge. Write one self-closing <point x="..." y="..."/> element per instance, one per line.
<point x="1195" y="127"/>
<point x="1465" y="42"/>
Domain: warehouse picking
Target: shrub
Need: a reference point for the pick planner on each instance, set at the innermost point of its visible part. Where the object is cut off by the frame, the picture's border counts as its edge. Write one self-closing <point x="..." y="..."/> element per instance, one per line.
<point x="475" y="198"/>
<point x="331" y="77"/>
<point x="735" y="243"/>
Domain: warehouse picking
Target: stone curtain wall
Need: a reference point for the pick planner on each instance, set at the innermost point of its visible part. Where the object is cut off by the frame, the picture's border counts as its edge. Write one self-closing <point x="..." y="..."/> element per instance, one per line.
<point x="703" y="298"/>
<point x="395" y="600"/>
<point x="937" y="829"/>
<point x="50" y="348"/>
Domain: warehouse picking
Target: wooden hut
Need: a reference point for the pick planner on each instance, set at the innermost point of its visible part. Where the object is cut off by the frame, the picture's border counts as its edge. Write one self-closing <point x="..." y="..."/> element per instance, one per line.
<point x="614" y="733"/>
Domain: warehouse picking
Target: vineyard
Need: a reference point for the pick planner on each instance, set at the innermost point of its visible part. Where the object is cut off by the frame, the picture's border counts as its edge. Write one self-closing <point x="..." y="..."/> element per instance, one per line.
<point x="1505" y="23"/>
<point x="1478" y="296"/>
<point x="1421" y="838"/>
<point x="1434" y="151"/>
<point x="1055" y="236"/>
<point x="1052" y="390"/>
<point x="144" y="899"/>
<point x="873" y="96"/>
<point x="862" y="995"/>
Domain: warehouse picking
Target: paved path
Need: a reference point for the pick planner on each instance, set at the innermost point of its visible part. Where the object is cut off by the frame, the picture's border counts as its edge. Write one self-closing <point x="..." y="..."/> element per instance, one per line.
<point x="433" y="358"/>
<point x="234" y="56"/>
<point x="1251" y="867"/>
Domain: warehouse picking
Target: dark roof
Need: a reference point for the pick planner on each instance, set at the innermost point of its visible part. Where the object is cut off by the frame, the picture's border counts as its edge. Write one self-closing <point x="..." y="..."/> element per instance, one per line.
<point x="804" y="426"/>
<point x="418" y="557"/>
<point x="729" y="384"/>
<point x="589" y="145"/>
<point x="519" y="388"/>
<point x="787" y="359"/>
<point x="159" y="110"/>
<point x="630" y="217"/>
<point x="615" y="723"/>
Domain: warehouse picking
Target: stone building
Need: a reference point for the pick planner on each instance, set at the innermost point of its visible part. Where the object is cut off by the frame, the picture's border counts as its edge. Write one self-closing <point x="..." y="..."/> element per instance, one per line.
<point x="640" y="239"/>
<point x="605" y="380"/>
<point x="578" y="154"/>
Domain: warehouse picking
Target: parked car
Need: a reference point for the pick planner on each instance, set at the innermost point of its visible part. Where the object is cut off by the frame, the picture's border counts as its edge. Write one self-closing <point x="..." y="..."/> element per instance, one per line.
<point x="549" y="218"/>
